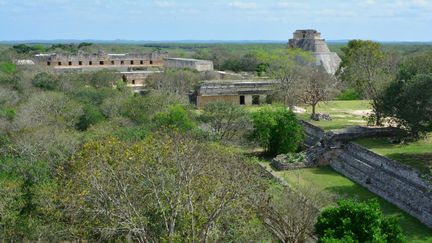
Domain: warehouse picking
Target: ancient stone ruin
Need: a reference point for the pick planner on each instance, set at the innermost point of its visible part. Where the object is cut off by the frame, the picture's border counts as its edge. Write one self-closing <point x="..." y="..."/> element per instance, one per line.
<point x="310" y="40"/>
<point x="399" y="184"/>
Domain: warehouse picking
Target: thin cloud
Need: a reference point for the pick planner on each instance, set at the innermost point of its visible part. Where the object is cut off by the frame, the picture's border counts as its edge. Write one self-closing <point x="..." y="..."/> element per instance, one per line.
<point x="243" y="5"/>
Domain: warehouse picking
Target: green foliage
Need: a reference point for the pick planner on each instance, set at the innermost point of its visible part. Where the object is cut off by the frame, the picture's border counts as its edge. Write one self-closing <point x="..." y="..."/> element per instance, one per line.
<point x="92" y="115"/>
<point x="84" y="44"/>
<point x="417" y="64"/>
<point x="349" y="94"/>
<point x="7" y="67"/>
<point x="296" y="157"/>
<point x="176" y="117"/>
<point x="26" y="49"/>
<point x="410" y="104"/>
<point x="357" y="222"/>
<point x="8" y="113"/>
<point x="46" y="81"/>
<point x="277" y="130"/>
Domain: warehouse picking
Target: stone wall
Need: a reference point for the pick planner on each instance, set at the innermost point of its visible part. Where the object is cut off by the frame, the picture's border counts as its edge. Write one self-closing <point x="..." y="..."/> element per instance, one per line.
<point x="313" y="133"/>
<point x="398" y="184"/>
<point x="195" y="64"/>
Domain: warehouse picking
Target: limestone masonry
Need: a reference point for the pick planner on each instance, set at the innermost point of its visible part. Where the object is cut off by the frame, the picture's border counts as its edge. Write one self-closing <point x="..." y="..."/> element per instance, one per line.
<point x="310" y="40"/>
<point x="199" y="65"/>
<point x="399" y="184"/>
<point x="242" y="92"/>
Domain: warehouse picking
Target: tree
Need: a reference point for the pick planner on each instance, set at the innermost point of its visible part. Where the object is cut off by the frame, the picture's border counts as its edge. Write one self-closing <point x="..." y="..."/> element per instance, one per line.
<point x="176" y="117"/>
<point x="366" y="67"/>
<point x="409" y="104"/>
<point x="288" y="71"/>
<point x="225" y="121"/>
<point x="277" y="130"/>
<point x="46" y="81"/>
<point x="290" y="215"/>
<point x="177" y="82"/>
<point x="168" y="188"/>
<point x="318" y="86"/>
<point x="357" y="222"/>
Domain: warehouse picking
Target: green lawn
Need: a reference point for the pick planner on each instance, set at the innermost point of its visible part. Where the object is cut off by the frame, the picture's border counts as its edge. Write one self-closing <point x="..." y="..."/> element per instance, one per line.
<point x="417" y="154"/>
<point x="327" y="180"/>
<point x="344" y="113"/>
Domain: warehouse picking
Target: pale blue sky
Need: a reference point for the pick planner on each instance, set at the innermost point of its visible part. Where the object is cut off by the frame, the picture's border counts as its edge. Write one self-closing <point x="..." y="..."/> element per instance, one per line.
<point x="384" y="20"/>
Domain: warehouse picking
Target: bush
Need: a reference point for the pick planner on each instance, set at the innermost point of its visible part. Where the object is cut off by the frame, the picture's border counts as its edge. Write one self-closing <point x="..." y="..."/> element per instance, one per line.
<point x="349" y="94"/>
<point x="176" y="117"/>
<point x="357" y="222"/>
<point x="7" y="67"/>
<point x="46" y="81"/>
<point x="91" y="116"/>
<point x="277" y="130"/>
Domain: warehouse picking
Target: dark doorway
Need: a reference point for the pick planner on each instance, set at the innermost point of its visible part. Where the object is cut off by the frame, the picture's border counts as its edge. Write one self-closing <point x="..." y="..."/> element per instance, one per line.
<point x="112" y="62"/>
<point x="101" y="62"/>
<point x="70" y="63"/>
<point x="59" y="63"/>
<point x="151" y="62"/>
<point x="133" y="81"/>
<point x="49" y="63"/>
<point x="80" y="63"/>
<point x="242" y="100"/>
<point x="90" y="63"/>
<point x="255" y="100"/>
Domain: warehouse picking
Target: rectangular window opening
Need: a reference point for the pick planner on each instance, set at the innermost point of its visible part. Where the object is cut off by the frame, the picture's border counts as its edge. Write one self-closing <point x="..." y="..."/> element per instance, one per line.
<point x="141" y="62"/>
<point x="112" y="62"/>
<point x="101" y="62"/>
<point x="49" y="63"/>
<point x="70" y="63"/>
<point x="242" y="100"/>
<point x="80" y="63"/>
<point x="59" y="63"/>
<point x="90" y="63"/>
<point x="131" y="62"/>
<point x="255" y="100"/>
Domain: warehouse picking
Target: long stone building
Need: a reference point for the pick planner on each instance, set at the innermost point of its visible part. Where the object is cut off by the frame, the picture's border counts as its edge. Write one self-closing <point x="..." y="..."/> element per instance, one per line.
<point x="83" y="61"/>
<point x="241" y="92"/>
<point x="310" y="40"/>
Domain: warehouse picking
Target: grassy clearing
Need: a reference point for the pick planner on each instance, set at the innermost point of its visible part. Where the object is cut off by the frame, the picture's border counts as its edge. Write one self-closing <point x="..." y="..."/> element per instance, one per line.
<point x="344" y="113"/>
<point x="337" y="186"/>
<point x="417" y="154"/>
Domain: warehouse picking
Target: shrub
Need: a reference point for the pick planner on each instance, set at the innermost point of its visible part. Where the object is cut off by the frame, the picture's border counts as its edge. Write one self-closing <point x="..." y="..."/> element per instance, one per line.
<point x="349" y="94"/>
<point x="277" y="130"/>
<point x="7" y="67"/>
<point x="176" y="117"/>
<point x="91" y="116"/>
<point x="357" y="222"/>
<point x="46" y="81"/>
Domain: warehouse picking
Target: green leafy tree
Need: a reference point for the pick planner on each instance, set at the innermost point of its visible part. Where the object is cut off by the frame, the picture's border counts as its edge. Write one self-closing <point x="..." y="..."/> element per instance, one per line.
<point x="365" y="66"/>
<point x="176" y="117"/>
<point x="357" y="222"/>
<point x="277" y="130"/>
<point x="409" y="104"/>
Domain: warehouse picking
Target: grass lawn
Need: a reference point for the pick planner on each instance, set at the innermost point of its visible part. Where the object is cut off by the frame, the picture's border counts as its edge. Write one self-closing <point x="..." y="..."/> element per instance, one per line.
<point x="327" y="180"/>
<point x="344" y="113"/>
<point x="417" y="154"/>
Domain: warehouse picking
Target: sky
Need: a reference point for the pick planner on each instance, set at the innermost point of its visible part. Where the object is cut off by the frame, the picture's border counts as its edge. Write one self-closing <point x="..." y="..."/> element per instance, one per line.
<point x="158" y="20"/>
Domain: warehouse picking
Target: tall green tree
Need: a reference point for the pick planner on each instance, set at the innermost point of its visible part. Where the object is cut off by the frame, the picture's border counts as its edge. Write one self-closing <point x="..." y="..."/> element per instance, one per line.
<point x="365" y="66"/>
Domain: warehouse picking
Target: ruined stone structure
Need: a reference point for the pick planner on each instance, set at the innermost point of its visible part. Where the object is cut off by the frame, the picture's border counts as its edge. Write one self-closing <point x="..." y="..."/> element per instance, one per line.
<point x="310" y="40"/>
<point x="101" y="60"/>
<point x="399" y="184"/>
<point x="137" y="79"/>
<point x="242" y="92"/>
<point x="195" y="64"/>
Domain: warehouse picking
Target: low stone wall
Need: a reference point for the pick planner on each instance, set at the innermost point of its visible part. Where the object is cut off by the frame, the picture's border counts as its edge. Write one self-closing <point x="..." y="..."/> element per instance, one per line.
<point x="399" y="184"/>
<point x="314" y="134"/>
